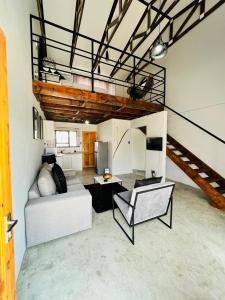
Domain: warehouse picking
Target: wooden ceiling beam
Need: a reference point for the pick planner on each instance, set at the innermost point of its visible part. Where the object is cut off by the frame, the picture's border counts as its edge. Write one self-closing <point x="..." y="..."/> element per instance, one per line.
<point x="85" y="110"/>
<point x="49" y="89"/>
<point x="53" y="101"/>
<point x="88" y="105"/>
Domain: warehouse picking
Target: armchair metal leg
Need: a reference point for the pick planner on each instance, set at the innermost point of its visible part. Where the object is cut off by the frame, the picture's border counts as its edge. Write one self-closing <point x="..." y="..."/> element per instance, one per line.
<point x="171" y="215"/>
<point x="131" y="239"/>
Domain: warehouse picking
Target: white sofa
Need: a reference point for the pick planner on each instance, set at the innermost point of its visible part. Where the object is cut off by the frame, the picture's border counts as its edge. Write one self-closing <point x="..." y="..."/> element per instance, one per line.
<point x="58" y="215"/>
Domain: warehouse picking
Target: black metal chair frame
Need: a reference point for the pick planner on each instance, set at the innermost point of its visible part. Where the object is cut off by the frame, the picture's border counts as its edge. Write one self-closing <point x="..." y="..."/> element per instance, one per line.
<point x="131" y="224"/>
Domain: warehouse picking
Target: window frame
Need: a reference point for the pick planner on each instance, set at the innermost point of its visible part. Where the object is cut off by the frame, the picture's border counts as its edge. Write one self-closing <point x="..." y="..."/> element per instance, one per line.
<point x="69" y="138"/>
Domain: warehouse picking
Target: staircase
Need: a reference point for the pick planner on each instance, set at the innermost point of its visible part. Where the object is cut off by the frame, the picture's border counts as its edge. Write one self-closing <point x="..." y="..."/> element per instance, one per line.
<point x="207" y="179"/>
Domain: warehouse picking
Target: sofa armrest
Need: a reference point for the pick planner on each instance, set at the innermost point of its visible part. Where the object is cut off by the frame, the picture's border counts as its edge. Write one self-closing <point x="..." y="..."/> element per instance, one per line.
<point x="58" y="198"/>
<point x="55" y="216"/>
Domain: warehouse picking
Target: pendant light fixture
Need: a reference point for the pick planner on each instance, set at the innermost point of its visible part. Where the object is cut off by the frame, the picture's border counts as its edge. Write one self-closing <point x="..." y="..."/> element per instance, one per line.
<point x="159" y="49"/>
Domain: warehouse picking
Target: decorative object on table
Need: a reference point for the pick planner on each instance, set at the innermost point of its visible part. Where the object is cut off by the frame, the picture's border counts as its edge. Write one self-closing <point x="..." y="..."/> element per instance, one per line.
<point x="144" y="204"/>
<point x="49" y="158"/>
<point x="49" y="65"/>
<point x="107" y="176"/>
<point x="35" y="123"/>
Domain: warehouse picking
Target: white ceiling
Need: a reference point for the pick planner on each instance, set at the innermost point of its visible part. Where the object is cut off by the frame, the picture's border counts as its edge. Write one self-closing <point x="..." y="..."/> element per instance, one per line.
<point x="94" y="19"/>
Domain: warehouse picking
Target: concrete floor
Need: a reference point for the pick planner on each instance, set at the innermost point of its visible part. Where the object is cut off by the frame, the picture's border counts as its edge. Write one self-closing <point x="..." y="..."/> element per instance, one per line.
<point x="187" y="262"/>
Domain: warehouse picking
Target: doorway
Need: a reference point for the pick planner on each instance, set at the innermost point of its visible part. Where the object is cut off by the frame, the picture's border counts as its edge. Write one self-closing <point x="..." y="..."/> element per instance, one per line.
<point x="139" y="149"/>
<point x="89" y="139"/>
<point x="7" y="273"/>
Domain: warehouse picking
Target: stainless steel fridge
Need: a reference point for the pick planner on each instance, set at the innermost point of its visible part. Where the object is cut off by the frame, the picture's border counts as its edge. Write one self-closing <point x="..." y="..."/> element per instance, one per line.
<point x="101" y="157"/>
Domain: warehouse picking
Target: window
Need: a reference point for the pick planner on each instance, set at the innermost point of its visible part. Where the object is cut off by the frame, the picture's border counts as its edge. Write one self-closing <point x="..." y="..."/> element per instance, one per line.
<point x="99" y="85"/>
<point x="66" y="138"/>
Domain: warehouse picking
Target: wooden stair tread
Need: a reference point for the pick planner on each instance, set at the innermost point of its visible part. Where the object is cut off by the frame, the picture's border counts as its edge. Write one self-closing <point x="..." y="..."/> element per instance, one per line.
<point x="205" y="183"/>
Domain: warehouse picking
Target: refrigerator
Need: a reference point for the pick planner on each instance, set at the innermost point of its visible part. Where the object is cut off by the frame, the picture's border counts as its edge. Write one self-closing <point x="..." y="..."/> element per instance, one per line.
<point x="101" y="157"/>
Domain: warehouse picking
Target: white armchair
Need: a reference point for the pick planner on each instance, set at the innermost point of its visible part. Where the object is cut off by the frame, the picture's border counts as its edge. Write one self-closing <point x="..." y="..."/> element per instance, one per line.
<point x="144" y="204"/>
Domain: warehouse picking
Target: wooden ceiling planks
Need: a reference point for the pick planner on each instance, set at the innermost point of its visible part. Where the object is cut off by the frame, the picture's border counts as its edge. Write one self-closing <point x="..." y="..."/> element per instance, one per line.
<point x="75" y="105"/>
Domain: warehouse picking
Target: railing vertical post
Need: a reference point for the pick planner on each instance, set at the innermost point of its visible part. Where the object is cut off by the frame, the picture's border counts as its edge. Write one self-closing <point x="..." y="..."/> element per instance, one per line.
<point x="164" y="88"/>
<point x="31" y="44"/>
<point x="92" y="66"/>
<point x="134" y="76"/>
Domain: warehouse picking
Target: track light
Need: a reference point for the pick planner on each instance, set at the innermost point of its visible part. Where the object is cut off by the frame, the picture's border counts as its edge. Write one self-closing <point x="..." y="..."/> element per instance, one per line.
<point x="159" y="49"/>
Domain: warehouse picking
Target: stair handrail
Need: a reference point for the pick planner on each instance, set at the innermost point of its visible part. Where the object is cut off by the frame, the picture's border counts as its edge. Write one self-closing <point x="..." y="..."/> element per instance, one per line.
<point x="193" y="123"/>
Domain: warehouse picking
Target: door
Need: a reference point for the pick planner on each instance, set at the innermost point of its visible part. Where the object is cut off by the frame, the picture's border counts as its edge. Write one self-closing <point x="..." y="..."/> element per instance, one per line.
<point x="89" y="138"/>
<point x="7" y="277"/>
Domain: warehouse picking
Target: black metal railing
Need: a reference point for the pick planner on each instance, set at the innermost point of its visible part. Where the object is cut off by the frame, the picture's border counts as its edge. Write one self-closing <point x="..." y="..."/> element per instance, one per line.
<point x="85" y="56"/>
<point x="192" y="122"/>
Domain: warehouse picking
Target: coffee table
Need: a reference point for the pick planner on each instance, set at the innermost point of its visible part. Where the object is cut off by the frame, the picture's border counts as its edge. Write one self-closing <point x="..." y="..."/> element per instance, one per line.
<point x="104" y="192"/>
<point x="100" y="180"/>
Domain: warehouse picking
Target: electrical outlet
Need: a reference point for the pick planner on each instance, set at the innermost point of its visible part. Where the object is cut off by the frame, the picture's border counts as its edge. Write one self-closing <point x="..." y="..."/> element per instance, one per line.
<point x="153" y="173"/>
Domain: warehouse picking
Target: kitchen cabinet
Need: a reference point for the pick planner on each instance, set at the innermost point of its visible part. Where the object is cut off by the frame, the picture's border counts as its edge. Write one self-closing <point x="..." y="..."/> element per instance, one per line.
<point x="59" y="160"/>
<point x="72" y="161"/>
<point x="77" y="161"/>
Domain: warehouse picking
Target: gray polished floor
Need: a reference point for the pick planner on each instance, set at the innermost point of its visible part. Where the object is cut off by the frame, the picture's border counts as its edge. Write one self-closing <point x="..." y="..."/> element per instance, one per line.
<point x="187" y="262"/>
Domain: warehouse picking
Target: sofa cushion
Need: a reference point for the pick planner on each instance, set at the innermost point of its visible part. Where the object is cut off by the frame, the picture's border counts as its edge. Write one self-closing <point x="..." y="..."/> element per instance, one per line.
<point x="47" y="166"/>
<point x="46" y="184"/>
<point x="75" y="187"/>
<point x="71" y="180"/>
<point x="147" y="181"/>
<point x="34" y="191"/>
<point x="59" y="178"/>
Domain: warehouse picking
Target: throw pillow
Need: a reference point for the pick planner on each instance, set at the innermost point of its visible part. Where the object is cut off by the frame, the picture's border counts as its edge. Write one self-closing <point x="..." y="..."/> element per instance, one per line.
<point x="46" y="184"/>
<point x="47" y="166"/>
<point x="59" y="178"/>
<point x="147" y="181"/>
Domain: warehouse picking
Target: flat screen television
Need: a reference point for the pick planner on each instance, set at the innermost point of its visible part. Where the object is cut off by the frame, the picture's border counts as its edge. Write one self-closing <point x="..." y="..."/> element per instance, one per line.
<point x="154" y="143"/>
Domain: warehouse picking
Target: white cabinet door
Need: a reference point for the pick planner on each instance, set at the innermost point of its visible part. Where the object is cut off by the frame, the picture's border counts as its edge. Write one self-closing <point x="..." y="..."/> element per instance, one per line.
<point x="77" y="161"/>
<point x="59" y="160"/>
<point x="67" y="161"/>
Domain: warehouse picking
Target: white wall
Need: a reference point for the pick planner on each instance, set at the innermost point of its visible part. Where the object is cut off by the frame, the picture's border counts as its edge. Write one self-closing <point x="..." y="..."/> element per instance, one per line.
<point x="156" y="127"/>
<point x="195" y="87"/>
<point x="122" y="156"/>
<point x="81" y="126"/>
<point x="25" y="153"/>
<point x="111" y="131"/>
<point x="138" y="149"/>
<point x="121" y="161"/>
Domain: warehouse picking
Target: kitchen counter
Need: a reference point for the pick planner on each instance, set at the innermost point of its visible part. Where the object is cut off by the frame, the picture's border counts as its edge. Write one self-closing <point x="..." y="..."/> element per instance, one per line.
<point x="78" y="152"/>
<point x="71" y="160"/>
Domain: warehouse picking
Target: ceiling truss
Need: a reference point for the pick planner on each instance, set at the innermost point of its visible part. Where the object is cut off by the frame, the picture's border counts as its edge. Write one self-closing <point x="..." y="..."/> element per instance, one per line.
<point x="194" y="13"/>
<point x="79" y="8"/>
<point x="112" y="25"/>
<point x="41" y="15"/>
<point x="138" y="37"/>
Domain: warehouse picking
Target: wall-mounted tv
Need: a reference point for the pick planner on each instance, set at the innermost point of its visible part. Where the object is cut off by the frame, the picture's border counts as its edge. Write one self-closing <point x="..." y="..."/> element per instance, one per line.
<point x="154" y="143"/>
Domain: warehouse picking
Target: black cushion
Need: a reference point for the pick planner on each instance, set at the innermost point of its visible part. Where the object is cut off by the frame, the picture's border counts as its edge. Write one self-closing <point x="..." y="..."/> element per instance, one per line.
<point x="59" y="178"/>
<point x="147" y="181"/>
